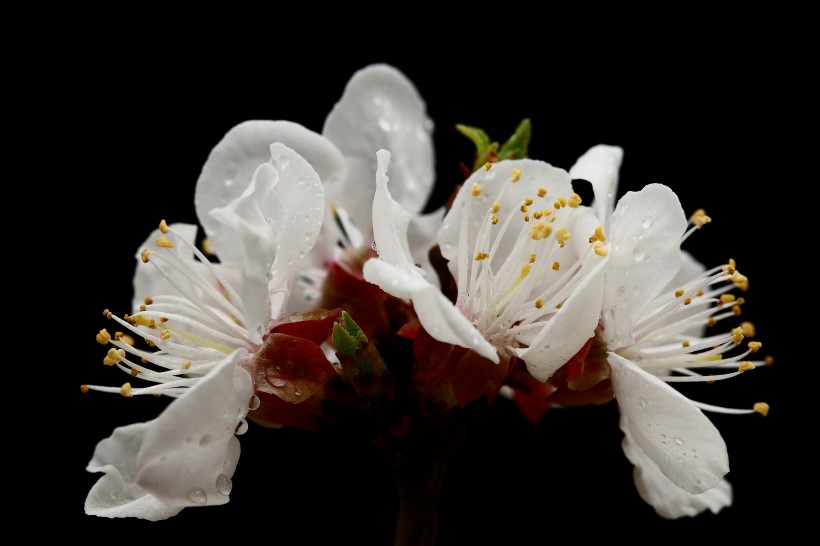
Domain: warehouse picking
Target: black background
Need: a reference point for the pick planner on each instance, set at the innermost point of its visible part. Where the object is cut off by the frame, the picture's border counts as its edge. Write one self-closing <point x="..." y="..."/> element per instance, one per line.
<point x="707" y="125"/>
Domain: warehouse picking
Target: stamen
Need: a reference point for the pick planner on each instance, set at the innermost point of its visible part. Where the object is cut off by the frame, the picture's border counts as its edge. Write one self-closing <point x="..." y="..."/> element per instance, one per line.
<point x="103" y="337"/>
<point x="542" y="192"/>
<point x="488" y="166"/>
<point x="737" y="335"/>
<point x="524" y="208"/>
<point x="745" y="366"/>
<point x="754" y="346"/>
<point x="185" y="364"/>
<point x="562" y="236"/>
<point x="685" y="344"/>
<point x="494" y="219"/>
<point x="108" y="314"/>
<point x="600" y="249"/>
<point x="769" y="360"/>
<point x="762" y="408"/>
<point x="162" y="242"/>
<point x="163" y="227"/>
<point x="533" y="257"/>
<point x="726" y="298"/>
<point x="496" y="207"/>
<point x="699" y="218"/>
<point x="539" y="303"/>
<point x="574" y="200"/>
<point x="481" y="256"/>
<point x="476" y="189"/>
<point x="556" y="266"/>
<point x="207" y="247"/>
<point x="144" y="256"/>
<point x="541" y="230"/>
<point x="679" y="292"/>
<point x="516" y="174"/>
<point x="125" y="390"/>
<point x="740" y="280"/>
<point x="84" y="389"/>
<point x="113" y="356"/>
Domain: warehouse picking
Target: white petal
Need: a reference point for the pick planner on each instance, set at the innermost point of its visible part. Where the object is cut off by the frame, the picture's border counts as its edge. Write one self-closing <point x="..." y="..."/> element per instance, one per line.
<point x="116" y="494"/>
<point x="233" y="161"/>
<point x="599" y="166"/>
<point x="191" y="445"/>
<point x="150" y="282"/>
<point x="422" y="235"/>
<point x="440" y="318"/>
<point x="533" y="175"/>
<point x="276" y="222"/>
<point x="674" y="434"/>
<point x="644" y="256"/>
<point x="669" y="500"/>
<point x="573" y="325"/>
<point x="380" y="108"/>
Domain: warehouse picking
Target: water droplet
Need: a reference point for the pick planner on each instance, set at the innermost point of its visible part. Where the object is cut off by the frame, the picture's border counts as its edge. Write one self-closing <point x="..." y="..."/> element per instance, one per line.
<point x="646" y="221"/>
<point x="224" y="484"/>
<point x="293" y="221"/>
<point x="254" y="402"/>
<point x="609" y="314"/>
<point x="229" y="182"/>
<point x="241" y="428"/>
<point x="679" y="441"/>
<point x="308" y="235"/>
<point x="205" y="440"/>
<point x="114" y="495"/>
<point x="197" y="495"/>
<point x="301" y="182"/>
<point x="680" y="460"/>
<point x="297" y="392"/>
<point x="642" y="402"/>
<point x="639" y="253"/>
<point x="301" y="254"/>
<point x="616" y="243"/>
<point x="663" y="435"/>
<point x="373" y="246"/>
<point x="621" y="291"/>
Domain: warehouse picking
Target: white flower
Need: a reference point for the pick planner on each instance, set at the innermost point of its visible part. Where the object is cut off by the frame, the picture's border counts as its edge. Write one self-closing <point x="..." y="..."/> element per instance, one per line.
<point x="657" y="302"/>
<point x="203" y="318"/>
<point x="522" y="290"/>
<point x="380" y="108"/>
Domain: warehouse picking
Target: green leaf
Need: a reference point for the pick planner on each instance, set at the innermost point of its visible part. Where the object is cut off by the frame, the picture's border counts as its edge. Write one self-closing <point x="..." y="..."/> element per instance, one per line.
<point x="517" y="146"/>
<point x="483" y="146"/>
<point x="344" y="342"/>
<point x="352" y="328"/>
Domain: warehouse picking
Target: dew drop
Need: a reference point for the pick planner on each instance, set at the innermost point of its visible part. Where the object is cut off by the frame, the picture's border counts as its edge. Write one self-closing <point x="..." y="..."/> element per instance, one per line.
<point x="639" y="253"/>
<point x="197" y="495"/>
<point x="205" y="440"/>
<point x="308" y="235"/>
<point x="642" y="402"/>
<point x="646" y="221"/>
<point x="680" y="460"/>
<point x="241" y="428"/>
<point x="114" y="495"/>
<point x="224" y="484"/>
<point x="254" y="402"/>
<point x="679" y="441"/>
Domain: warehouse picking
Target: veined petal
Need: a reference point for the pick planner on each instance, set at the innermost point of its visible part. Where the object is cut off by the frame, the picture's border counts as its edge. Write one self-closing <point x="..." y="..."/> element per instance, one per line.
<point x="116" y="494"/>
<point x="380" y="108"/>
<point x="509" y="183"/>
<point x="645" y="232"/>
<point x="150" y="282"/>
<point x="189" y="453"/>
<point x="668" y="428"/>
<point x="599" y="166"/>
<point x="570" y="328"/>
<point x="422" y="235"/>
<point x="669" y="500"/>
<point x="234" y="160"/>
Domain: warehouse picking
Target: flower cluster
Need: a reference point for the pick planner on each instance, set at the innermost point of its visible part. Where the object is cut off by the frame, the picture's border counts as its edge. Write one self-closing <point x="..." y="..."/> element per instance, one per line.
<point x="321" y="296"/>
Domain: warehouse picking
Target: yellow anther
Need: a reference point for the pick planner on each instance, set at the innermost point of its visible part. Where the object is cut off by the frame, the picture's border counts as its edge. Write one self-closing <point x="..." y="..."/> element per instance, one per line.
<point x="745" y="366"/>
<point x="710" y="358"/>
<point x="113" y="356"/>
<point x="730" y="268"/>
<point x="481" y="256"/>
<point x="134" y="372"/>
<point x="528" y="201"/>
<point x="559" y="305"/>
<point x="516" y="174"/>
<point x="599" y="234"/>
<point x="149" y="342"/>
<point x="562" y="236"/>
<point x="488" y="166"/>
<point x="118" y="335"/>
<point x="125" y="390"/>
<point x="737" y="335"/>
<point x="143" y="308"/>
<point x="526" y="217"/>
<point x="524" y="208"/>
<point x="711" y="322"/>
<point x="144" y="256"/>
<point x="736" y="310"/>
<point x="600" y="249"/>
<point x="107" y="314"/>
<point x="699" y="218"/>
<point x="541" y="230"/>
<point x="754" y="346"/>
<point x="740" y="280"/>
<point x="163" y="227"/>
<point x="128" y="318"/>
<point x="574" y="200"/>
<point x="207" y="247"/>
<point x="685" y="344"/>
<point x="166" y="334"/>
<point x="542" y="192"/>
<point x="496" y="207"/>
<point x="539" y="303"/>
<point x="748" y="329"/>
<point x="476" y="189"/>
<point x="769" y="360"/>
<point x="84" y="389"/>
<point x="547" y="212"/>
<point x="726" y="298"/>
<point x="741" y="301"/>
<point x="148" y="300"/>
<point x="553" y="219"/>
<point x="537" y="214"/>
<point x="125" y="338"/>
<point x="103" y="337"/>
<point x="162" y="242"/>
<point x="762" y="408"/>
<point x="494" y="219"/>
<point x="533" y="257"/>
<point x="687" y="301"/>
<point x="699" y="292"/>
<point x="679" y="292"/>
<point x="163" y="319"/>
<point x="144" y="360"/>
<point x="556" y="266"/>
<point x="185" y="365"/>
